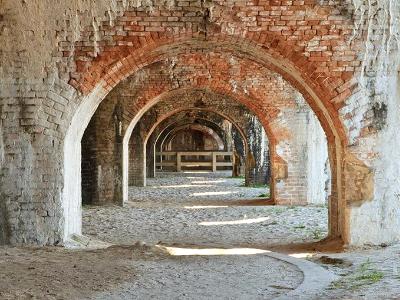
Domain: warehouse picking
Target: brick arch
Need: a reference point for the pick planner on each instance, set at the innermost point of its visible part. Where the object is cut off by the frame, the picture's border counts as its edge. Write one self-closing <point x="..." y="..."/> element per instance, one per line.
<point x="167" y="127"/>
<point x="157" y="130"/>
<point x="161" y="129"/>
<point x="223" y="90"/>
<point x="164" y="124"/>
<point x="203" y="128"/>
<point x="321" y="93"/>
<point x="178" y="110"/>
<point x="164" y="109"/>
<point x="317" y="94"/>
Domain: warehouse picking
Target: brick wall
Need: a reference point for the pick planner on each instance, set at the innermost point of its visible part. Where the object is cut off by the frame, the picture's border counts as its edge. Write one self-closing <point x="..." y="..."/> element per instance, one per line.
<point x="137" y="167"/>
<point x="319" y="47"/>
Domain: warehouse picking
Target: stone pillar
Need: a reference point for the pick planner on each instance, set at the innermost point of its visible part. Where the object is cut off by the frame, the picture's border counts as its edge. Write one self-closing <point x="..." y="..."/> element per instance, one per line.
<point x="291" y="189"/>
<point x="259" y="148"/>
<point x="305" y="155"/>
<point x="318" y="168"/>
<point x="150" y="158"/>
<point x="101" y="165"/>
<point x="137" y="160"/>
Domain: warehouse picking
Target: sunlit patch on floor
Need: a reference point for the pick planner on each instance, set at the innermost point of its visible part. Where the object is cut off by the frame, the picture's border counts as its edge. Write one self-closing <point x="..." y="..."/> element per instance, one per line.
<point x="181" y="186"/>
<point x="300" y="255"/>
<point x="175" y="251"/>
<point x="205" y="206"/>
<point x="235" y="222"/>
<point x="212" y="193"/>
<point x="208" y="181"/>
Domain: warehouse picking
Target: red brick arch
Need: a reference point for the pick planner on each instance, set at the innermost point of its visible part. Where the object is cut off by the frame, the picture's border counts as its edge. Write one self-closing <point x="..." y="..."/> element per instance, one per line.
<point x="176" y="111"/>
<point x="325" y="94"/>
<point x="167" y="121"/>
<point x="169" y="127"/>
<point x="196" y="127"/>
<point x="224" y="89"/>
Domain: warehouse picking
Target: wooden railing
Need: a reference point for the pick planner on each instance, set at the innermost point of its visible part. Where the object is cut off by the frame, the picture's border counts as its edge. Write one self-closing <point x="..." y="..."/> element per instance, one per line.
<point x="193" y="159"/>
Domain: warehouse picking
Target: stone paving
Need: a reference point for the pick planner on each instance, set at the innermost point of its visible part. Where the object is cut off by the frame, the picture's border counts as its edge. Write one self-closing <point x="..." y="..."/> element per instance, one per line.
<point x="190" y="187"/>
<point x="193" y="208"/>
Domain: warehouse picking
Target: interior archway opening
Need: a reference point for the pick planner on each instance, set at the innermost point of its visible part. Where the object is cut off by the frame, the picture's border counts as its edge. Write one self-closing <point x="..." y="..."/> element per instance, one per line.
<point x="295" y="193"/>
<point x="220" y="169"/>
<point x="268" y="114"/>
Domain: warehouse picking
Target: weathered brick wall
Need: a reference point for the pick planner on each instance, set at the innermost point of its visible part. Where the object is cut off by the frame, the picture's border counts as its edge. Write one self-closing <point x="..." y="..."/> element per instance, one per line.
<point x="89" y="165"/>
<point x="309" y="148"/>
<point x="292" y="188"/>
<point x="372" y="118"/>
<point x="323" y="48"/>
<point x="137" y="163"/>
<point x="244" y="119"/>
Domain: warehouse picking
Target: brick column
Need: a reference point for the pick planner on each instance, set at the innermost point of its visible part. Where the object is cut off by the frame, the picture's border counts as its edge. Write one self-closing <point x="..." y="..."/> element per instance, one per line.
<point x="150" y="158"/>
<point x="102" y="159"/>
<point x="137" y="161"/>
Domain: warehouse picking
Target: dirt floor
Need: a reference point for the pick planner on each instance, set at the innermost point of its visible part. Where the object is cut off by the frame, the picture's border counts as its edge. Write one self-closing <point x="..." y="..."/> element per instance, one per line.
<point x="195" y="236"/>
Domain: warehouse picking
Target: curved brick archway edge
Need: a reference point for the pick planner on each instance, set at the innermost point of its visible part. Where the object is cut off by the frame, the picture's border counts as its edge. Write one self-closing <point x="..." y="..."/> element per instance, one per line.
<point x="196" y="127"/>
<point x="223" y="91"/>
<point x="164" y="126"/>
<point x="325" y="94"/>
<point x="161" y="128"/>
<point x="321" y="93"/>
<point x="166" y="121"/>
<point x="172" y="113"/>
<point x="171" y="131"/>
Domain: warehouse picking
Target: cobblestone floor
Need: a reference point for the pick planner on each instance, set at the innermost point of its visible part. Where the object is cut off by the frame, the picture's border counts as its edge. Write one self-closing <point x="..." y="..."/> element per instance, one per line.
<point x="200" y="208"/>
<point x="191" y="187"/>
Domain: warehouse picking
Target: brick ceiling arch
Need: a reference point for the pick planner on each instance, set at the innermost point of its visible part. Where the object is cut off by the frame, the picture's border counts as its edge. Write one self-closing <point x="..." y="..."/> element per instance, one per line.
<point x="203" y="128"/>
<point x="324" y="81"/>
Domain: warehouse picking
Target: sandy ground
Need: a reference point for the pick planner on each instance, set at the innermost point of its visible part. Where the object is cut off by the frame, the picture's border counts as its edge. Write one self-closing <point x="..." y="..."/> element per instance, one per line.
<point x="140" y="272"/>
<point x="191" y="208"/>
<point x="370" y="273"/>
<point x="193" y="214"/>
<point x="209" y="277"/>
<point x="58" y="273"/>
<point x="238" y="225"/>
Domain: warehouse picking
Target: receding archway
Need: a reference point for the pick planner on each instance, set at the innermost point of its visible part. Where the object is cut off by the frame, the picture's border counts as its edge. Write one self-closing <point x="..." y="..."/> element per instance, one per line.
<point x="335" y="230"/>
